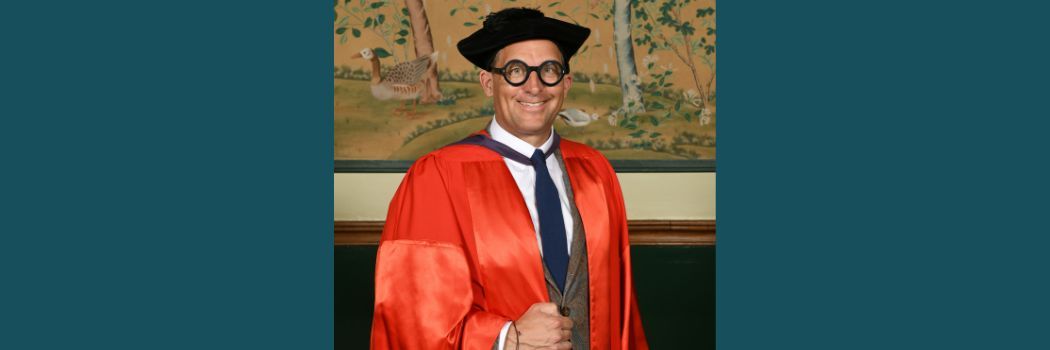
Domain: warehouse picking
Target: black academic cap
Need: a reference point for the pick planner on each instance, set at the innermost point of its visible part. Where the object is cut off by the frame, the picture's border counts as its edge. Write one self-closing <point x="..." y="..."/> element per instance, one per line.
<point x="519" y="24"/>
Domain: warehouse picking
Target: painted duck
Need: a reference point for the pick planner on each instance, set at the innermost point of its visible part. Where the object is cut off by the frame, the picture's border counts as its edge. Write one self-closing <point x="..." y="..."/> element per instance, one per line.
<point x="576" y="117"/>
<point x="404" y="81"/>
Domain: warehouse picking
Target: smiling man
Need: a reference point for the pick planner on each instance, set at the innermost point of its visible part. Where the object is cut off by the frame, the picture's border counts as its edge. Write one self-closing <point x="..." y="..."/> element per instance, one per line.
<point x="512" y="238"/>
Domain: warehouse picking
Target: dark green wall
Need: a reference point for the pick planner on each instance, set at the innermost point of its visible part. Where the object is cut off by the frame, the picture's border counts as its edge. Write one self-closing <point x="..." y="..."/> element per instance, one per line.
<point x="675" y="285"/>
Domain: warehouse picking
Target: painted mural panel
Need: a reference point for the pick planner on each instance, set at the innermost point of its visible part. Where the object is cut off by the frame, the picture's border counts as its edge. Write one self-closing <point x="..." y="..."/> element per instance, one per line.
<point x="644" y="84"/>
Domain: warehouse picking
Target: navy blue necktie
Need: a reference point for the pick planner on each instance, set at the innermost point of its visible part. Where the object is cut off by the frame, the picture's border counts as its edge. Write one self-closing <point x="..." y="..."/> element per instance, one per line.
<point x="552" y="225"/>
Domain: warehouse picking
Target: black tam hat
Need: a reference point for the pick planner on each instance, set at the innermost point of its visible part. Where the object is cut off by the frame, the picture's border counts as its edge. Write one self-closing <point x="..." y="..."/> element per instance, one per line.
<point x="512" y="25"/>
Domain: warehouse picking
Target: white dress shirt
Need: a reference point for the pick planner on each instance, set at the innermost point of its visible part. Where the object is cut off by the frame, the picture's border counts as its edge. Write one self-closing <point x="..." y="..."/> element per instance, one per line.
<point x="525" y="177"/>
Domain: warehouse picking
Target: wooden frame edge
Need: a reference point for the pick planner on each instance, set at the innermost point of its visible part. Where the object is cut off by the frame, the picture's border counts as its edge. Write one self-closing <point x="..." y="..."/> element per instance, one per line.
<point x="642" y="232"/>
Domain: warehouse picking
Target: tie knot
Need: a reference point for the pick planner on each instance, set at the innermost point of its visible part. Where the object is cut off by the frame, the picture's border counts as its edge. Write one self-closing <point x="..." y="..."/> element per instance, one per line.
<point x="538" y="157"/>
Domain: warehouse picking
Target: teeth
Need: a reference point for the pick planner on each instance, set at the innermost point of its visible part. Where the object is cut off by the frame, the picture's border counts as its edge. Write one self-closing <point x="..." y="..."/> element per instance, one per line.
<point x="531" y="104"/>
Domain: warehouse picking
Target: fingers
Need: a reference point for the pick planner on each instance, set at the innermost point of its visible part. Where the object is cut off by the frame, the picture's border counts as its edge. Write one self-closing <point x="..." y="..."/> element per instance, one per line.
<point x="560" y="346"/>
<point x="565" y="322"/>
<point x="559" y="335"/>
<point x="547" y="308"/>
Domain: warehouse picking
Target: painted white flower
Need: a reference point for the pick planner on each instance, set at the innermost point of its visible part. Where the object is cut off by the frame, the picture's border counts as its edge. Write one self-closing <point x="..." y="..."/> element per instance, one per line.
<point x="692" y="97"/>
<point x="650" y="59"/>
<point x="669" y="66"/>
<point x="705" y="117"/>
<point x="612" y="119"/>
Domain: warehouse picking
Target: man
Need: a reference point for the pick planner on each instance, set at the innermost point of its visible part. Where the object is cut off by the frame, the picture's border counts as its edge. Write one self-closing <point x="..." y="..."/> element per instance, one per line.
<point x="511" y="238"/>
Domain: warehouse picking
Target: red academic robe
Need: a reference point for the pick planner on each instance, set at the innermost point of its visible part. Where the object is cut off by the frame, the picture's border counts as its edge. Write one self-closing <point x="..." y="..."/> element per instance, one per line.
<point x="458" y="257"/>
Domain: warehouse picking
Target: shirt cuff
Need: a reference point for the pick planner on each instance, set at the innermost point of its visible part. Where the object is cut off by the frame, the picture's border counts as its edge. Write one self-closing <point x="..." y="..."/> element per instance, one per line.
<point x="503" y="335"/>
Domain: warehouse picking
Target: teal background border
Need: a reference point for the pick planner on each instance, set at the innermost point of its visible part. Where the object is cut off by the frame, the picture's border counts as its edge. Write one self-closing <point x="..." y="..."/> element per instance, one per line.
<point x="166" y="186"/>
<point x="167" y="175"/>
<point x="915" y="217"/>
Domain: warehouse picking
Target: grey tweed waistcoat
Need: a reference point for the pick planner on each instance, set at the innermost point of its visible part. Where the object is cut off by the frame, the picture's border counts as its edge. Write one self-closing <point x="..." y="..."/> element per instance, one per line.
<point x="575" y="298"/>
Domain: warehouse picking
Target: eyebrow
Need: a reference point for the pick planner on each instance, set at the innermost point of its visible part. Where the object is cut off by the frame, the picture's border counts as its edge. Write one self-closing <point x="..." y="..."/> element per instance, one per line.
<point x="522" y="60"/>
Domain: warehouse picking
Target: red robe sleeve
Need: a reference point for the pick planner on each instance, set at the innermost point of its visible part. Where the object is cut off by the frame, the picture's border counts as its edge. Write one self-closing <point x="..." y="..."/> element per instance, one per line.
<point x="425" y="294"/>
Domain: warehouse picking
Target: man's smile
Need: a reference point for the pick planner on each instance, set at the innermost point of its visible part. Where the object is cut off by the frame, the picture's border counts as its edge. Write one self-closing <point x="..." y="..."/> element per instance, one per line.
<point x="532" y="105"/>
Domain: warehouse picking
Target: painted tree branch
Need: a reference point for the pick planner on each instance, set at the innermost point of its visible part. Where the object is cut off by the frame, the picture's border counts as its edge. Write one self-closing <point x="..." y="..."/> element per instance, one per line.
<point x="424" y="45"/>
<point x="630" y="84"/>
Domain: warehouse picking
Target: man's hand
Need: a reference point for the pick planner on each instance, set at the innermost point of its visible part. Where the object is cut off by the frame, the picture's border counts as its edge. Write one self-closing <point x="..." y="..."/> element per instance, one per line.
<point x="541" y="327"/>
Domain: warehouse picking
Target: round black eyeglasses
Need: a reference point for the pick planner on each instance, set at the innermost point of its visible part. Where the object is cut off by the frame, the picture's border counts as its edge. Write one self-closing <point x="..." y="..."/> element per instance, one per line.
<point x="516" y="72"/>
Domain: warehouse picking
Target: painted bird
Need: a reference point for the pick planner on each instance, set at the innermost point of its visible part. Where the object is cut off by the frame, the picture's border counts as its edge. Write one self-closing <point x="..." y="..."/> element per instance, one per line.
<point x="404" y="81"/>
<point x="577" y="118"/>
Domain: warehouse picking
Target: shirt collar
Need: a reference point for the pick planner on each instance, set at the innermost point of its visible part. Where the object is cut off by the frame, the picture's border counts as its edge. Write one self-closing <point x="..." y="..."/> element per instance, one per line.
<point x="518" y="145"/>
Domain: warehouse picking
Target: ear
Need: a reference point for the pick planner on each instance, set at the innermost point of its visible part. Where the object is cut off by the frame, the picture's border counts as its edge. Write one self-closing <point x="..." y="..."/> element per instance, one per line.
<point x="485" y="77"/>
<point x="567" y="80"/>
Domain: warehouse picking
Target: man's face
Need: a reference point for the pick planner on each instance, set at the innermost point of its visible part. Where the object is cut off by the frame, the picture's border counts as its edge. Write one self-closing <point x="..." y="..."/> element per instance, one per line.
<point x="529" y="110"/>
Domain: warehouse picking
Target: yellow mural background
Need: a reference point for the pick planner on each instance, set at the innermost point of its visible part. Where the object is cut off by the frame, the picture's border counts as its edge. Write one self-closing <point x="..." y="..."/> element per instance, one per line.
<point x="358" y="140"/>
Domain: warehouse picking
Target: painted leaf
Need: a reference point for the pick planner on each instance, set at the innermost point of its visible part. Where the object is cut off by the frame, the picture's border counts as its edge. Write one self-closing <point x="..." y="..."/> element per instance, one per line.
<point x="357" y="33"/>
<point x="380" y="19"/>
<point x="561" y="13"/>
<point x="404" y="11"/>
<point x="654" y="121"/>
<point x="473" y="9"/>
<point x="554" y="4"/>
<point x="638" y="133"/>
<point x="400" y="41"/>
<point x="453" y="12"/>
<point x="468" y="24"/>
<point x="381" y="53"/>
<point x="655" y="135"/>
<point x="687" y="28"/>
<point x="376" y="5"/>
<point x="340" y="30"/>
<point x="404" y="22"/>
<point x="402" y="32"/>
<point x="368" y="22"/>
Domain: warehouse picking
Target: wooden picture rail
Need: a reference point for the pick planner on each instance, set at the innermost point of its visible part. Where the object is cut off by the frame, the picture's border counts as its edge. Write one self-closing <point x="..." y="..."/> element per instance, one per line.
<point x="643" y="232"/>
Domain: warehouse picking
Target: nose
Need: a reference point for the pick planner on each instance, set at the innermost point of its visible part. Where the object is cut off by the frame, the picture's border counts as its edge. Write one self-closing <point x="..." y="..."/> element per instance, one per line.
<point x="532" y="83"/>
